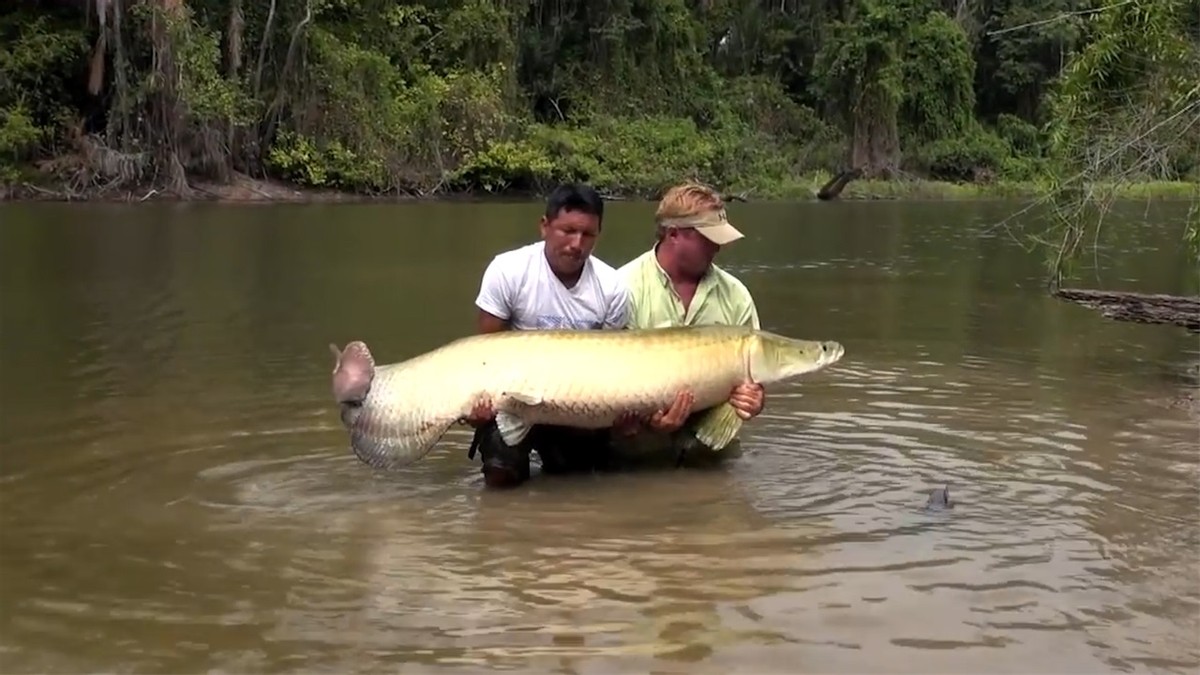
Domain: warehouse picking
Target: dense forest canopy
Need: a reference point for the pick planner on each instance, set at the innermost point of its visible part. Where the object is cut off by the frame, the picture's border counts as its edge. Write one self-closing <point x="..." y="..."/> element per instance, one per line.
<point x="379" y="95"/>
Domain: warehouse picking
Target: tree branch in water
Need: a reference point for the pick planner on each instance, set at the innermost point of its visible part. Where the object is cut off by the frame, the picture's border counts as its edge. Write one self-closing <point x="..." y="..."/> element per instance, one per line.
<point x="1138" y="307"/>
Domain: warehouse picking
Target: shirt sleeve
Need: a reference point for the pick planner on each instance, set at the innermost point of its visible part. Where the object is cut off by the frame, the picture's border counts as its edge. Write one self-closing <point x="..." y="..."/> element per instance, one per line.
<point x="749" y="314"/>
<point x="617" y="315"/>
<point x="495" y="291"/>
<point x="628" y="273"/>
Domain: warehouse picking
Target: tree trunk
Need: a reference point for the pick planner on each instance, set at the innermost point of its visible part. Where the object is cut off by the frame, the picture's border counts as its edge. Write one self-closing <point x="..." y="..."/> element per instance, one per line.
<point x="835" y="185"/>
<point x="167" y="113"/>
<point x="1179" y="310"/>
<point x="875" y="147"/>
<point x="235" y="36"/>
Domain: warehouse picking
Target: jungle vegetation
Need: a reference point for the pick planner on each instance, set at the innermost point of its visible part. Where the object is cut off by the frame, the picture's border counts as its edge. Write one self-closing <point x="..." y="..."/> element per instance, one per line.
<point x="760" y="97"/>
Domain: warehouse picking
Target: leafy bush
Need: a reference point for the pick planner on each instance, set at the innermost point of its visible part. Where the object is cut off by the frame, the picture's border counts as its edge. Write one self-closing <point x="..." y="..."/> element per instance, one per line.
<point x="1024" y="138"/>
<point x="967" y="158"/>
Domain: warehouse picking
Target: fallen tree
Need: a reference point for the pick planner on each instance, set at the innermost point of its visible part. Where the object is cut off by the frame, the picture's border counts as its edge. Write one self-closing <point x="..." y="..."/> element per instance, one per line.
<point x="1137" y="307"/>
<point x="1124" y="100"/>
<point x="834" y="186"/>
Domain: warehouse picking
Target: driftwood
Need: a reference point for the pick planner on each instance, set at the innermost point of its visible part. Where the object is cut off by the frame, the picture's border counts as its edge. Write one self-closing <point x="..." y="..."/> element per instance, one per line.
<point x="834" y="187"/>
<point x="1137" y="307"/>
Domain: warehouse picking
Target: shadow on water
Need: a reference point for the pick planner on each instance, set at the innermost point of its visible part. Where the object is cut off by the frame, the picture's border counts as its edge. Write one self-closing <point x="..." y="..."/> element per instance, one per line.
<point x="178" y="495"/>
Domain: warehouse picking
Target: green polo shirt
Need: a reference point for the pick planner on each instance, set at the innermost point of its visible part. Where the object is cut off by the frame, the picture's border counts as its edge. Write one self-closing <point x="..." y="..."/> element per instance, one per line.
<point x="720" y="299"/>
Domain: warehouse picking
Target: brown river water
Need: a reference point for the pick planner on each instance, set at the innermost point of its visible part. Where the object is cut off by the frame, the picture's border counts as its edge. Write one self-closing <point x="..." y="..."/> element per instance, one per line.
<point x="177" y="495"/>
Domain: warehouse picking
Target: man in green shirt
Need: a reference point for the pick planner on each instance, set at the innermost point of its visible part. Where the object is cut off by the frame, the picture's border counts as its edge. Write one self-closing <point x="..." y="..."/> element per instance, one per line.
<point x="676" y="283"/>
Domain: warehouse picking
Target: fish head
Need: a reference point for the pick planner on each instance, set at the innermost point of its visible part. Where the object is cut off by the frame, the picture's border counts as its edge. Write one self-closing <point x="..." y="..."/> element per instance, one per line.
<point x="939" y="498"/>
<point x="776" y="357"/>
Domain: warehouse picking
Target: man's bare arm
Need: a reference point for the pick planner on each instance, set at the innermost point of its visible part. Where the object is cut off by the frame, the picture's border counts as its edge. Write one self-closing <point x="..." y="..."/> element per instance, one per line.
<point x="489" y="323"/>
<point x="482" y="412"/>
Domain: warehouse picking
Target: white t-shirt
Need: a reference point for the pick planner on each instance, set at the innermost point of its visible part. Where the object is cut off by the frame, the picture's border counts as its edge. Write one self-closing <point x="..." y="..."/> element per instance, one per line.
<point x="519" y="286"/>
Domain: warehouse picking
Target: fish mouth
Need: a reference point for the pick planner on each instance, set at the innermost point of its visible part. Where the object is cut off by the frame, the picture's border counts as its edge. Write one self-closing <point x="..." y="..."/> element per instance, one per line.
<point x="348" y="412"/>
<point x="831" y="352"/>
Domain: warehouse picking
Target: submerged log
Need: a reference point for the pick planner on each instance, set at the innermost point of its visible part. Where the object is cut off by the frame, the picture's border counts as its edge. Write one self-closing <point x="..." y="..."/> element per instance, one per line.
<point x="1179" y="310"/>
<point x="834" y="187"/>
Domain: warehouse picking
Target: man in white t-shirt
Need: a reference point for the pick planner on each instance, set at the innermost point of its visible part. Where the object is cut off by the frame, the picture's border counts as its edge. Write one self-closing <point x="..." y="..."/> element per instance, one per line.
<point x="523" y="290"/>
<point x="554" y="283"/>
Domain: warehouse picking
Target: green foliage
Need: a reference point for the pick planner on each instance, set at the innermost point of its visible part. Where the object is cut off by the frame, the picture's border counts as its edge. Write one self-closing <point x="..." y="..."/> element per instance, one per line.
<point x="1021" y="47"/>
<point x="409" y="134"/>
<point x="325" y="164"/>
<point x="966" y="158"/>
<point x="1023" y="137"/>
<point x="633" y="95"/>
<point x="1140" y="64"/>
<point x="939" y="96"/>
<point x="18" y="136"/>
<point x="645" y="155"/>
<point x="507" y="165"/>
<point x="1126" y="109"/>
<point x="208" y="96"/>
<point x="35" y="60"/>
<point x="861" y="58"/>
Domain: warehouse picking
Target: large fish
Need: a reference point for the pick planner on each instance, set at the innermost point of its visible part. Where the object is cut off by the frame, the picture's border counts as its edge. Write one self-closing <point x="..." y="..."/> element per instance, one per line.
<point x="396" y="413"/>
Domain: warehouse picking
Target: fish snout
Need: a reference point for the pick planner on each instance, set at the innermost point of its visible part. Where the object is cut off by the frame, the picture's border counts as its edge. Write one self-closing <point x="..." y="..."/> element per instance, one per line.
<point x="939" y="499"/>
<point x="831" y="352"/>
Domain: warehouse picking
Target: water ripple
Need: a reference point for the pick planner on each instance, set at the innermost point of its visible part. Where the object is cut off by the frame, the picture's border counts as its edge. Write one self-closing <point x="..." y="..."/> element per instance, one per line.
<point x="178" y="496"/>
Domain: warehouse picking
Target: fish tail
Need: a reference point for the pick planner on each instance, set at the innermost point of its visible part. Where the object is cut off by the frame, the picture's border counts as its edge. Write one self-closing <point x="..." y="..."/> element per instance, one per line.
<point x="718" y="426"/>
<point x="353" y="372"/>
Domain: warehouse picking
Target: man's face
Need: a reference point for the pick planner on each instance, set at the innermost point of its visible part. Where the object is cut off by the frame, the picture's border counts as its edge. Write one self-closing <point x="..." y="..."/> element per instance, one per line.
<point x="693" y="251"/>
<point x="570" y="238"/>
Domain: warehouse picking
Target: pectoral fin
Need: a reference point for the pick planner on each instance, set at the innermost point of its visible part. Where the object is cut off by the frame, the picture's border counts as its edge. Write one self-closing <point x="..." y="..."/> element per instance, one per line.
<point x="718" y="426"/>
<point x="512" y="429"/>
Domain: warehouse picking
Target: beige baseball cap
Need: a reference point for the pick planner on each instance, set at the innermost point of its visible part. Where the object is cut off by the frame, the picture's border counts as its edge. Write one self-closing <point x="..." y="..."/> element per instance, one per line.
<point x="714" y="225"/>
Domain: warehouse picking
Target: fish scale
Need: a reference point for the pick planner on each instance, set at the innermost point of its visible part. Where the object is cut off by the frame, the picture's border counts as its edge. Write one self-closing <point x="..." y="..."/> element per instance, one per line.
<point x="396" y="413"/>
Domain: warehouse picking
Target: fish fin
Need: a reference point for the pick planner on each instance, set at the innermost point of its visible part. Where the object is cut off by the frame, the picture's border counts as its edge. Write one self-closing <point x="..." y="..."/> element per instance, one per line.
<point x="524" y="398"/>
<point x="513" y="429"/>
<point x="717" y="426"/>
<point x="353" y="372"/>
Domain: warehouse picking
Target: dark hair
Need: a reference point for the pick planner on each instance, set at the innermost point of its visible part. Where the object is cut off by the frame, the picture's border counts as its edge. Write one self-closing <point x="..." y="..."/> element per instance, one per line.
<point x="574" y="197"/>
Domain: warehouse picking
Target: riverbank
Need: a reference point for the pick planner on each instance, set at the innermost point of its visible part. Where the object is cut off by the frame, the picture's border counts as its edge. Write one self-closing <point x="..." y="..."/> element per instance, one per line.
<point x="245" y="189"/>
